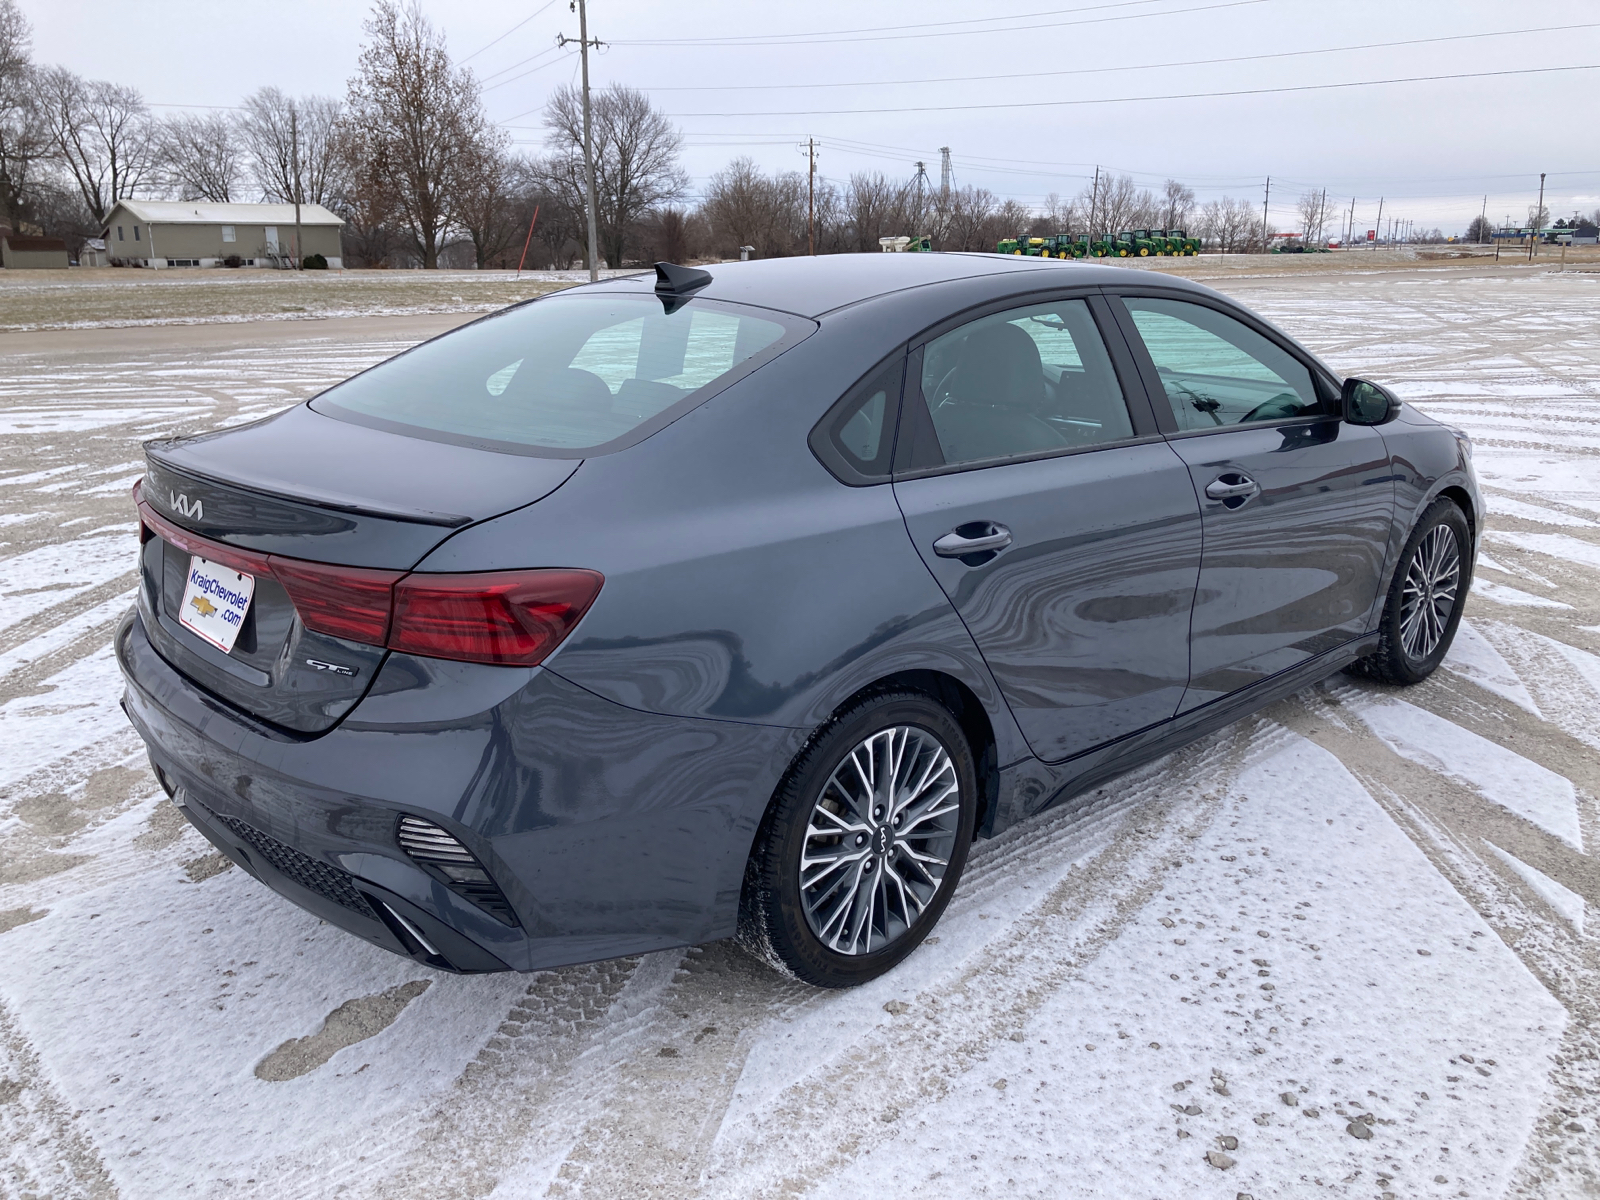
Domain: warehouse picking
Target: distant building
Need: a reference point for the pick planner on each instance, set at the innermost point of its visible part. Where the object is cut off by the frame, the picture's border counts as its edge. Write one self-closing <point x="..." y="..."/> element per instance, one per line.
<point x="93" y="253"/>
<point x="19" y="253"/>
<point x="195" y="233"/>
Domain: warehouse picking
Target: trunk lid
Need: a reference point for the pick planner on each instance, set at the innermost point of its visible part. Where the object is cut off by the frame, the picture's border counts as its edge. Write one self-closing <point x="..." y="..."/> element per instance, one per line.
<point x="309" y="487"/>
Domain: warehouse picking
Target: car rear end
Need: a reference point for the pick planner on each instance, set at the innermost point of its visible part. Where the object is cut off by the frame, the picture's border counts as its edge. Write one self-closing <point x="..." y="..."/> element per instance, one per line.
<point x="366" y="737"/>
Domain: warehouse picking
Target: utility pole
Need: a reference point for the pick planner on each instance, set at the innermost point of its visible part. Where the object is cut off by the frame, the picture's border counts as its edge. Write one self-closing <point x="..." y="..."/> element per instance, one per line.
<point x="1322" y="213"/>
<point x="1264" y="202"/>
<point x="1538" y="221"/>
<point x="1483" y="218"/>
<point x="944" y="176"/>
<point x="584" y="42"/>
<point x="1094" y="200"/>
<point x="1351" y="236"/>
<point x="1378" y="228"/>
<point x="294" y="160"/>
<point x="811" y="197"/>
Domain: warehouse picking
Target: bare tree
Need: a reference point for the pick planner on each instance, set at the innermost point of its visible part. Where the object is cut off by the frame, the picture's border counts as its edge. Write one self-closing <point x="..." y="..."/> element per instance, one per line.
<point x="268" y="134"/>
<point x="1177" y="202"/>
<point x="491" y="205"/>
<point x="875" y="207"/>
<point x="24" y="137"/>
<point x="102" y="134"/>
<point x="1116" y="203"/>
<point x="1062" y="215"/>
<point x="635" y="160"/>
<point x="1313" y="212"/>
<point x="972" y="220"/>
<point x="417" y="124"/>
<point x="1480" y="230"/>
<point x="201" y="157"/>
<point x="1231" y="224"/>
<point x="745" y="207"/>
<point x="668" y="235"/>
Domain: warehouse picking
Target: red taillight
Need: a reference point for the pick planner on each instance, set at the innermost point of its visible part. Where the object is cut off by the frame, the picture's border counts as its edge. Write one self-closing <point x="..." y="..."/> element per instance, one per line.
<point x="504" y="617"/>
<point x="344" y="602"/>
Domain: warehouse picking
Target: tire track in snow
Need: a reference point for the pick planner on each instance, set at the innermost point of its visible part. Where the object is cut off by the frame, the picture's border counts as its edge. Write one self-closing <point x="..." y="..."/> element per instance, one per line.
<point x="1450" y="822"/>
<point x="41" y="1151"/>
<point x="817" y="1125"/>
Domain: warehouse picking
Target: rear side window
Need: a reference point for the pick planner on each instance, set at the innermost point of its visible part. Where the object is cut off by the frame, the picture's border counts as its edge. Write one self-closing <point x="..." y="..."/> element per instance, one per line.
<point x="855" y="440"/>
<point x="1022" y="382"/>
<point x="565" y="374"/>
<point x="1218" y="371"/>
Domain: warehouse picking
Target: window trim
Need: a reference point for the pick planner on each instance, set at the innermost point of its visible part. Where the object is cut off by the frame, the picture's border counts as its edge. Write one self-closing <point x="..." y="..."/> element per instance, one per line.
<point x="796" y="330"/>
<point x="1135" y="391"/>
<point x="1322" y="378"/>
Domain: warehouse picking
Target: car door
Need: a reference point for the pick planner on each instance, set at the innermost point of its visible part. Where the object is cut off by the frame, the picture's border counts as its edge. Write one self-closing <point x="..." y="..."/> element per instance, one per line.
<point x="1295" y="504"/>
<point x="1058" y="521"/>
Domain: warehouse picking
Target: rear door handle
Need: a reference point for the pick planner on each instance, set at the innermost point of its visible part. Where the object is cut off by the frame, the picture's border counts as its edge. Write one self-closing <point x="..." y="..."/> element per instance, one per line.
<point x="976" y="537"/>
<point x="1232" y="487"/>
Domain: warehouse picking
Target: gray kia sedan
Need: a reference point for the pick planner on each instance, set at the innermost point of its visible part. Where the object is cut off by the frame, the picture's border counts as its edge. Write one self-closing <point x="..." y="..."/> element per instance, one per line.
<point x="739" y="602"/>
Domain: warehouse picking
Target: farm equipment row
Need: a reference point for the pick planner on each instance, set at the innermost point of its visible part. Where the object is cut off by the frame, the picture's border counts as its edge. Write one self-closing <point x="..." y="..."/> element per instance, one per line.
<point x="1130" y="243"/>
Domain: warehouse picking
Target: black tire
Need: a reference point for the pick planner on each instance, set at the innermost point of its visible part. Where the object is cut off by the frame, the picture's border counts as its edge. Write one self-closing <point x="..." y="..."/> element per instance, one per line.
<point x="1404" y="655"/>
<point x="778" y="918"/>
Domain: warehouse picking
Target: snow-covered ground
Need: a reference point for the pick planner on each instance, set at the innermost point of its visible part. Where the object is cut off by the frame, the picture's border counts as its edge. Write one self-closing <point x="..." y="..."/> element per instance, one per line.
<point x="1343" y="947"/>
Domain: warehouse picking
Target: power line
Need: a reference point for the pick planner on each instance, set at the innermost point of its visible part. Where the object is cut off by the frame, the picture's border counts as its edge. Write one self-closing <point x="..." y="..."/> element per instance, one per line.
<point x="1198" y="62"/>
<point x="842" y="36"/>
<point x="525" y="74"/>
<point x="506" y="34"/>
<point x="742" y="39"/>
<point x="1309" y="87"/>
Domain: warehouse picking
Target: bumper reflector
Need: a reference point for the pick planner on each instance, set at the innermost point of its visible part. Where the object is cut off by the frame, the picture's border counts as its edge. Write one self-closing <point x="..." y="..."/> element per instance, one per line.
<point x="444" y="857"/>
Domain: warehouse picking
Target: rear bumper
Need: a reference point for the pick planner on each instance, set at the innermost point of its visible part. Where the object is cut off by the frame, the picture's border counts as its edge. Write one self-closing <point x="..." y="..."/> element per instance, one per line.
<point x="610" y="831"/>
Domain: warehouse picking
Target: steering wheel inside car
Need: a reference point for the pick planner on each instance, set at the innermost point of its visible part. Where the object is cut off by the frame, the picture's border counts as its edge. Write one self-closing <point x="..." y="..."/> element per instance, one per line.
<point x="1286" y="404"/>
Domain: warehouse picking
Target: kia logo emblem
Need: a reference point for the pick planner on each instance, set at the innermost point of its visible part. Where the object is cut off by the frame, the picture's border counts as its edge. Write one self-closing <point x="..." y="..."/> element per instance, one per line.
<point x="181" y="504"/>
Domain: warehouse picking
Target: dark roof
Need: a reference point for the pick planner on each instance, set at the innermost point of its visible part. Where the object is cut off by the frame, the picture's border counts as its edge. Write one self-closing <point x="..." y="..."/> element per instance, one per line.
<point x="20" y="243"/>
<point x="813" y="286"/>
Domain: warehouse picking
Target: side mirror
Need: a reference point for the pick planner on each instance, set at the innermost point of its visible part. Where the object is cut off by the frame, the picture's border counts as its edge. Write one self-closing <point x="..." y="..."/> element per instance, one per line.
<point x="1368" y="403"/>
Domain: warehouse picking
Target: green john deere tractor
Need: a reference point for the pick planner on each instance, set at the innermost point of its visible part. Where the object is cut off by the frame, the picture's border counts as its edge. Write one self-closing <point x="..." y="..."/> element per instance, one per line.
<point x="1182" y="243"/>
<point x="1140" y="243"/>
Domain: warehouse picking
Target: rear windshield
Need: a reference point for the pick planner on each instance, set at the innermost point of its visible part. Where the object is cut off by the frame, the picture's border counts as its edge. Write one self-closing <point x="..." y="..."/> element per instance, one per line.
<point x="564" y="374"/>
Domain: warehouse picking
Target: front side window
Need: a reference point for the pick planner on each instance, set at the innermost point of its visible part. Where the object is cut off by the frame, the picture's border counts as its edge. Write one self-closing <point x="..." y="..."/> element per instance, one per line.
<point x="1022" y="382"/>
<point x="563" y="374"/>
<point x="1217" y="371"/>
<point x="136" y="233"/>
<point x="228" y="234"/>
<point x="119" y="234"/>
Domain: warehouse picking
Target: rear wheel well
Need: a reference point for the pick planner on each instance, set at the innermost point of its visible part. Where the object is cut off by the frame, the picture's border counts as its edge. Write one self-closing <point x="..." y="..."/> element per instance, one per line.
<point x="1464" y="502"/>
<point x="969" y="713"/>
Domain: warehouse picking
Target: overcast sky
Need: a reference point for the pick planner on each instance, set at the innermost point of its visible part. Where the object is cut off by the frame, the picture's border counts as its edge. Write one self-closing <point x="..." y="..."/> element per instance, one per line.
<point x="1029" y="98"/>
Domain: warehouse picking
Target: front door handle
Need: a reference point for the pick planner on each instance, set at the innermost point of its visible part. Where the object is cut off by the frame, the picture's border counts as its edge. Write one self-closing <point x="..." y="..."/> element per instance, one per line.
<point x="1233" y="489"/>
<point x="975" y="537"/>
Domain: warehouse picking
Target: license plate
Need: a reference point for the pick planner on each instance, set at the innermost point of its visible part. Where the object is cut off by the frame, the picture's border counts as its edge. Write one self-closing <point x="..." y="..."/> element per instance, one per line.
<point x="215" y="600"/>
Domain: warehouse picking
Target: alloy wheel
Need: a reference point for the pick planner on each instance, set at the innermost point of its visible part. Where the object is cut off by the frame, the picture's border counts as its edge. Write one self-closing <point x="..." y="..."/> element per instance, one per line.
<point x="879" y="840"/>
<point x="1433" y="577"/>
